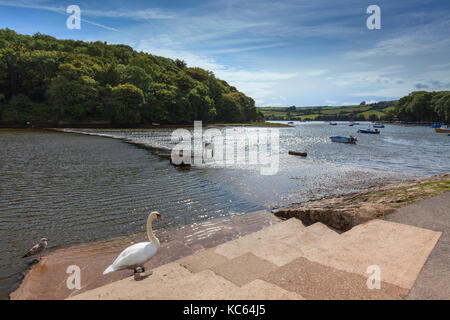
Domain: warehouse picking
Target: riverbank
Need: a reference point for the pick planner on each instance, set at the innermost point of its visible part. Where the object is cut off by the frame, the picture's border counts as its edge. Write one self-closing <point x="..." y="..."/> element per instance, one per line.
<point x="290" y="261"/>
<point x="345" y="212"/>
<point x="96" y="125"/>
<point x="46" y="280"/>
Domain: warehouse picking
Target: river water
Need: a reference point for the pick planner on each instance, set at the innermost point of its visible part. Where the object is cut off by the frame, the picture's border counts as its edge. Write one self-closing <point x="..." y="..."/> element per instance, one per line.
<point x="95" y="184"/>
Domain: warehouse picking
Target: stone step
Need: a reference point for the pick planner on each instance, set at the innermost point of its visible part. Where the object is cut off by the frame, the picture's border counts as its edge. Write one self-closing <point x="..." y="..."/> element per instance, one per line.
<point x="290" y="261"/>
<point x="266" y="244"/>
<point x="263" y="290"/>
<point x="248" y="258"/>
<point x="168" y="282"/>
<point x="237" y="274"/>
<point x="314" y="236"/>
<point x="280" y="244"/>
<point x="315" y="281"/>
<point x="173" y="282"/>
<point x="399" y="250"/>
<point x="256" y="243"/>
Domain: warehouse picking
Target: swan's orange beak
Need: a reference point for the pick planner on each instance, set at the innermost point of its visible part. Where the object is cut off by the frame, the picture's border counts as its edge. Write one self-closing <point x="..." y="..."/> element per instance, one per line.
<point x="160" y="218"/>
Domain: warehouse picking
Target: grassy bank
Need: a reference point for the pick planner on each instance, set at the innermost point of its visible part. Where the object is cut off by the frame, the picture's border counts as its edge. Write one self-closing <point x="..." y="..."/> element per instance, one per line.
<point x="365" y="112"/>
<point x="252" y="124"/>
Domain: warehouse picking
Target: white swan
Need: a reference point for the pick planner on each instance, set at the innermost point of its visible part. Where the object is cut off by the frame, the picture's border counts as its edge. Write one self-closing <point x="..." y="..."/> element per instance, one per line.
<point x="136" y="255"/>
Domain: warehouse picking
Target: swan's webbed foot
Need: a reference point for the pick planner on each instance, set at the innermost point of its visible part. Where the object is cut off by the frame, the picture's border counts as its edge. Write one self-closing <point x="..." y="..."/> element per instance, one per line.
<point x="138" y="273"/>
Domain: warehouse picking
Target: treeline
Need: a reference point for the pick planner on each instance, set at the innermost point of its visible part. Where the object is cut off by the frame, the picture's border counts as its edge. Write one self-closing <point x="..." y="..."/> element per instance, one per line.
<point x="418" y="106"/>
<point x="361" y="112"/>
<point x="45" y="81"/>
<point x="422" y="106"/>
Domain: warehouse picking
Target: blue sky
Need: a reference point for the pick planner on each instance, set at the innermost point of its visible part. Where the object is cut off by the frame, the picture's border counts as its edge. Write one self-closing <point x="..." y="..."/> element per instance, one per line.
<point x="280" y="53"/>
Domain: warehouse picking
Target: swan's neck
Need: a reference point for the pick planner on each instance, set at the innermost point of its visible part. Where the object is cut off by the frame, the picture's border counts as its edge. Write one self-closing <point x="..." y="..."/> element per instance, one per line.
<point x="150" y="234"/>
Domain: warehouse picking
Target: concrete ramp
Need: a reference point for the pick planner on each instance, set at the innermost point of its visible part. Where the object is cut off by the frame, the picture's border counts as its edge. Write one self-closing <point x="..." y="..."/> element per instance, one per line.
<point x="399" y="250"/>
<point x="290" y="261"/>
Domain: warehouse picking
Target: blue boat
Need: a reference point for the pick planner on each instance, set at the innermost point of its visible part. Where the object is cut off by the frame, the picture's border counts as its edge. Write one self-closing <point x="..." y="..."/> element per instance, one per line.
<point x="376" y="131"/>
<point x="378" y="125"/>
<point x="343" y="139"/>
<point x="436" y="125"/>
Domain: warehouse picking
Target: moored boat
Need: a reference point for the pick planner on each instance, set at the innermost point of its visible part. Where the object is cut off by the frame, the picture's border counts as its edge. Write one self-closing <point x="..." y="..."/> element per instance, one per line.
<point x="333" y="123"/>
<point x="439" y="130"/>
<point x="436" y="125"/>
<point x="376" y="131"/>
<point x="343" y="139"/>
<point x="297" y="153"/>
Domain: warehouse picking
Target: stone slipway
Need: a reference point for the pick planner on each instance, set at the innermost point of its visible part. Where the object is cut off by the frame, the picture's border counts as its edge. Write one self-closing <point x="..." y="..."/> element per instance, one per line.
<point x="290" y="261"/>
<point x="47" y="279"/>
<point x="434" y="214"/>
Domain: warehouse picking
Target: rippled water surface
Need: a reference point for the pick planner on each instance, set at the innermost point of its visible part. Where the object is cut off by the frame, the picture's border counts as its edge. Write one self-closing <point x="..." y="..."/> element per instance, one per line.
<point x="77" y="188"/>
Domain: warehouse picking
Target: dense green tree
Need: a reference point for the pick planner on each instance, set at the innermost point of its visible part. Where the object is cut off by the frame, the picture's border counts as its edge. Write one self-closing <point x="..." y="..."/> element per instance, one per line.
<point x="136" y="76"/>
<point x="126" y="101"/>
<point x="109" y="75"/>
<point x="419" y="108"/>
<point x="229" y="108"/>
<point x="73" y="95"/>
<point x="48" y="82"/>
<point x="441" y="105"/>
<point x="423" y="106"/>
<point x="18" y="111"/>
<point x="180" y="63"/>
<point x="201" y="104"/>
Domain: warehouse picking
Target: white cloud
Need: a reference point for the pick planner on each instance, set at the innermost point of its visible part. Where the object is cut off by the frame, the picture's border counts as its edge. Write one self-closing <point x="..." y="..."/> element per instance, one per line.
<point x="144" y="14"/>
<point x="330" y="102"/>
<point x="59" y="10"/>
<point x="243" y="49"/>
<point x="423" y="39"/>
<point x="312" y="73"/>
<point x="407" y="45"/>
<point x="385" y="76"/>
<point x="384" y="93"/>
<point x="258" y="84"/>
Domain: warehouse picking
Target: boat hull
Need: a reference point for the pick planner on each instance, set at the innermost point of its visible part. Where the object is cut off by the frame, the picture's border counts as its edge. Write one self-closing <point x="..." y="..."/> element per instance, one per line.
<point x="297" y="153"/>
<point x="369" y="131"/>
<point x="343" y="139"/>
<point x="442" y="130"/>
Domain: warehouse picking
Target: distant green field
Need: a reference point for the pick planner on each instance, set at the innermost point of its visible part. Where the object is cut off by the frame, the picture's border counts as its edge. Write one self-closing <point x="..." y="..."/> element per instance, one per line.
<point x="370" y="112"/>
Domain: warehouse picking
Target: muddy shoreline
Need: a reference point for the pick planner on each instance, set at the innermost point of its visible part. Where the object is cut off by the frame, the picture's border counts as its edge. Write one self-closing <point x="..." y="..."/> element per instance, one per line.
<point x="345" y="212"/>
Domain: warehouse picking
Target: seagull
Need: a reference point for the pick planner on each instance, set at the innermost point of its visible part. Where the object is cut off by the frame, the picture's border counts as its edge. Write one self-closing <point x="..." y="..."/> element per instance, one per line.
<point x="37" y="249"/>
